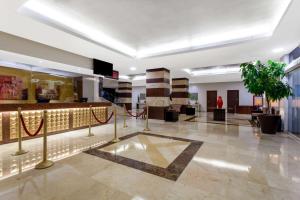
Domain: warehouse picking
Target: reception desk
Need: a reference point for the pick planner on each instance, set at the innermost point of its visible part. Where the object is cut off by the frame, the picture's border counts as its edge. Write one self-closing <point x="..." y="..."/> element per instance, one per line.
<point x="62" y="117"/>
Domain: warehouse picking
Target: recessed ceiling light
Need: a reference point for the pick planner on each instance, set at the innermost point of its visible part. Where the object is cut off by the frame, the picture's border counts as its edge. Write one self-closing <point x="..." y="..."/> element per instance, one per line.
<point x="132" y="68"/>
<point x="40" y="61"/>
<point x="278" y="50"/>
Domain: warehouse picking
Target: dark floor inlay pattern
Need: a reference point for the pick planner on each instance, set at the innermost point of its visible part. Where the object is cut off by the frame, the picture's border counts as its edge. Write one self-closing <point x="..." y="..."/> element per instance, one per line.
<point x="172" y="172"/>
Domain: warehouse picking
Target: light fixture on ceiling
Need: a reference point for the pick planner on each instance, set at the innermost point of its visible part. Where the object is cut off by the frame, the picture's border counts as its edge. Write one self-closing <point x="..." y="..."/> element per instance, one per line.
<point x="209" y="71"/>
<point x="187" y="70"/>
<point x="58" y="75"/>
<point x="139" y="78"/>
<point x="216" y="71"/>
<point x="132" y="68"/>
<point x="278" y="50"/>
<point x="124" y="77"/>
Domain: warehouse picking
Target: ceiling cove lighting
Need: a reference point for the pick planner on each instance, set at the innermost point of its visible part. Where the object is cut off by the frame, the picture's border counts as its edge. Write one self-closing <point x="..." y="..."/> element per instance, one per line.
<point x="139" y="77"/>
<point x="208" y="41"/>
<point x="216" y="71"/>
<point x="278" y="50"/>
<point x="207" y="71"/>
<point x="239" y="34"/>
<point x="124" y="77"/>
<point x="54" y="14"/>
<point x="135" y="77"/>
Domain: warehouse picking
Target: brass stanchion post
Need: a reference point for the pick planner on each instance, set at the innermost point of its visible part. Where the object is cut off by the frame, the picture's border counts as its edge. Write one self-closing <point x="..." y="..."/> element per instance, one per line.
<point x="90" y="122"/>
<point x="116" y="139"/>
<point x="146" y="123"/>
<point x="45" y="162"/>
<point x="124" y="124"/>
<point x="20" y="150"/>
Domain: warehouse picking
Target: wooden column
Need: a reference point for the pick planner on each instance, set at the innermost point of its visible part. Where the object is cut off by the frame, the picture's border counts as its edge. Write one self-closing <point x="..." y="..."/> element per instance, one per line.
<point x="180" y="92"/>
<point x="125" y="94"/>
<point x="157" y="92"/>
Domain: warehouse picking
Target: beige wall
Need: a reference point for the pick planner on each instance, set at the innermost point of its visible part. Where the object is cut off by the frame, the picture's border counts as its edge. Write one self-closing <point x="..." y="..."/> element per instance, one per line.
<point x="23" y="46"/>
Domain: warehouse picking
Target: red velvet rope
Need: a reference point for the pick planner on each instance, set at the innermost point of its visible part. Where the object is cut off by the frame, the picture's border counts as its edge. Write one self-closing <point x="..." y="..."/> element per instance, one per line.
<point x="99" y="120"/>
<point x="27" y="131"/>
<point x="137" y="115"/>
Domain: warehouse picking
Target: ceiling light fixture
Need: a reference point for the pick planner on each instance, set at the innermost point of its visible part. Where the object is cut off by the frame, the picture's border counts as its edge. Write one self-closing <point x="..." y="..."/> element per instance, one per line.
<point x="187" y="71"/>
<point x="216" y="71"/>
<point x="278" y="50"/>
<point x="138" y="78"/>
<point x="124" y="77"/>
<point x="132" y="68"/>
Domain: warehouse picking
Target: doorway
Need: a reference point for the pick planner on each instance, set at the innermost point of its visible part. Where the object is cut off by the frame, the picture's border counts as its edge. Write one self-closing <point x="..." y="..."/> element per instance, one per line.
<point x="211" y="100"/>
<point x="232" y="101"/>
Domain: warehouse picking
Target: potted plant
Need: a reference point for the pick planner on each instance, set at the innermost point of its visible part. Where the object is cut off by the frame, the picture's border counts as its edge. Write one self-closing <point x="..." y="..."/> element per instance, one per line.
<point x="266" y="79"/>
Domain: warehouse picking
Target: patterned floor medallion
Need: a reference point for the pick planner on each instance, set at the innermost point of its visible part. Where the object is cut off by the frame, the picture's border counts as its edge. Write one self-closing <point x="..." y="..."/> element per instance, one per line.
<point x="169" y="169"/>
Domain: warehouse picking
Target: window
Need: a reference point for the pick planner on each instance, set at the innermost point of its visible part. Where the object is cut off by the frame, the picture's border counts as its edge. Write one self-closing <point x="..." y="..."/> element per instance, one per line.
<point x="294" y="103"/>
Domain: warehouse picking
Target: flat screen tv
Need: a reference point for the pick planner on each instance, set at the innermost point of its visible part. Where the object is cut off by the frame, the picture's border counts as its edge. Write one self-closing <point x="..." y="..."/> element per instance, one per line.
<point x="103" y="68"/>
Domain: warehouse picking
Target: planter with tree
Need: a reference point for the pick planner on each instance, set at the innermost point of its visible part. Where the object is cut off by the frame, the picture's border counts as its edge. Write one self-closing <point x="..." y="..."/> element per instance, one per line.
<point x="266" y="79"/>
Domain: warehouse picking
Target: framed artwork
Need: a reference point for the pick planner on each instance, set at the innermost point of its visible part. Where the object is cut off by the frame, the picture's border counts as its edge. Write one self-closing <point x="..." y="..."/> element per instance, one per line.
<point x="258" y="101"/>
<point x="48" y="89"/>
<point x="12" y="88"/>
<point x="193" y="96"/>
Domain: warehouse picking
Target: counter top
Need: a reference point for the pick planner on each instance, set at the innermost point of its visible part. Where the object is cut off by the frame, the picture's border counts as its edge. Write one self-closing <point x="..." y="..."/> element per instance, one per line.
<point x="46" y="106"/>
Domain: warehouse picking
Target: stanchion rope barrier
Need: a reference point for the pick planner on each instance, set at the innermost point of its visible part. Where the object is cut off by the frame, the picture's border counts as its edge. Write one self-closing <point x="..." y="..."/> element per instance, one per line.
<point x="99" y="120"/>
<point x="27" y="131"/>
<point x="137" y="114"/>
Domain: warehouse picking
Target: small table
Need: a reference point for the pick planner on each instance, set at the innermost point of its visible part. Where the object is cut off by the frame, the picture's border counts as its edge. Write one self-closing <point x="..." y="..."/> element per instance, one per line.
<point x="219" y="114"/>
<point x="190" y="111"/>
<point x="171" y="116"/>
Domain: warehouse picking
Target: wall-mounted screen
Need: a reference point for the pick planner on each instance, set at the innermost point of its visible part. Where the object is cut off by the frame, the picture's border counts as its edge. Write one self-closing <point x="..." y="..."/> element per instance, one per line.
<point x="103" y="68"/>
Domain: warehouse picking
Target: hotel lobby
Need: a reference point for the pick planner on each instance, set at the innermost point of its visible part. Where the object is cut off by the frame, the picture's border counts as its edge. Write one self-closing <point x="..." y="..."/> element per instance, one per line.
<point x="146" y="100"/>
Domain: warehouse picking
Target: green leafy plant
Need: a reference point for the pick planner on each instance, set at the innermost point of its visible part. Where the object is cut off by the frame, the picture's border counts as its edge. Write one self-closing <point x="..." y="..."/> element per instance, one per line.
<point x="266" y="79"/>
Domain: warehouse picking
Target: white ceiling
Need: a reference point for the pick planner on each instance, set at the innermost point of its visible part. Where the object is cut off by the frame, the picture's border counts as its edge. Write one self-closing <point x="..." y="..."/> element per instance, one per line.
<point x="143" y="28"/>
<point x="144" y="24"/>
<point x="147" y="23"/>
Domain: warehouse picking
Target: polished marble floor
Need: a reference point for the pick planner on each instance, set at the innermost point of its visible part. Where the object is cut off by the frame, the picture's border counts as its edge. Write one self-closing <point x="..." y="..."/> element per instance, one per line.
<point x="232" y="163"/>
<point x="149" y="149"/>
<point x="160" y="155"/>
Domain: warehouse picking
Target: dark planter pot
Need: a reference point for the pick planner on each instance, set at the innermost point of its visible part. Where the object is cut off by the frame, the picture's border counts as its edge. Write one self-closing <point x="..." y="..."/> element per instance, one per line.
<point x="269" y="123"/>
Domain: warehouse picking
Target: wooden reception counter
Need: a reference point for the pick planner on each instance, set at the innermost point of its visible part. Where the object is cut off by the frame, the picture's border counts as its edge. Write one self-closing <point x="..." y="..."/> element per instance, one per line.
<point x="62" y="117"/>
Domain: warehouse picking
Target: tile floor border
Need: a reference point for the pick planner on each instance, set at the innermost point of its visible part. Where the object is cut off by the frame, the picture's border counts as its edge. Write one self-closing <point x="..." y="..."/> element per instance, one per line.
<point x="172" y="172"/>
